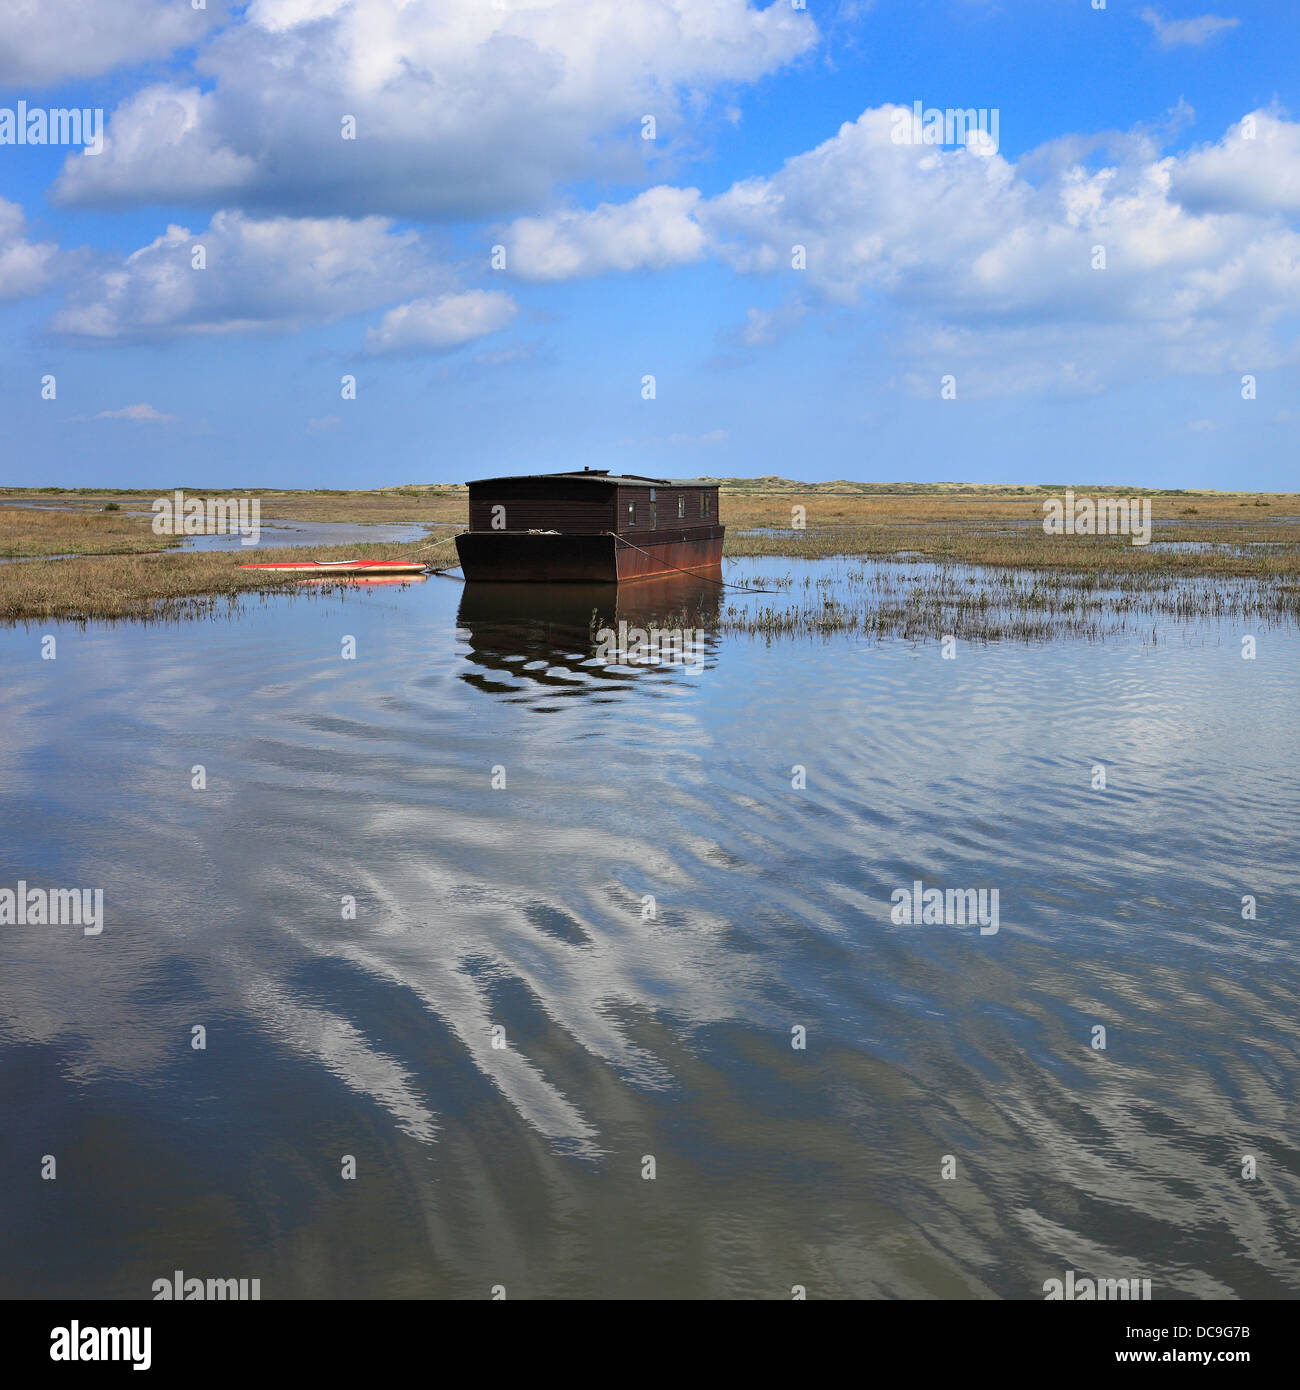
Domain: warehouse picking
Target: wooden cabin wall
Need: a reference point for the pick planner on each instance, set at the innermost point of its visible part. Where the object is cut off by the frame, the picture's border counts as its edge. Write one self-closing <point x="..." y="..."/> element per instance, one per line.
<point x="666" y="507"/>
<point x="537" y="504"/>
<point x="534" y="505"/>
<point x="639" y="495"/>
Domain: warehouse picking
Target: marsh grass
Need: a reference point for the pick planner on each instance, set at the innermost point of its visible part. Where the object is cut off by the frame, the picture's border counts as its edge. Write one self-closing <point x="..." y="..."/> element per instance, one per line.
<point x="878" y="599"/>
<point x="825" y="505"/>
<point x="1224" y="550"/>
<point x="983" y="569"/>
<point x="28" y="531"/>
<point x="384" y="506"/>
<point x="163" y="586"/>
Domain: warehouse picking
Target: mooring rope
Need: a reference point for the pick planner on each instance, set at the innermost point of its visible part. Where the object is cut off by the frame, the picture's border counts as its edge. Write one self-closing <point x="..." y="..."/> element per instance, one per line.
<point x="430" y="546"/>
<point x="439" y="570"/>
<point x="722" y="584"/>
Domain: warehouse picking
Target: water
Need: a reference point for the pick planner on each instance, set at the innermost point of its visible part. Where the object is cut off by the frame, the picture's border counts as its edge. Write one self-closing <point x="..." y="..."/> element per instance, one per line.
<point x="321" y="533"/>
<point x="627" y="1034"/>
<point x="274" y="533"/>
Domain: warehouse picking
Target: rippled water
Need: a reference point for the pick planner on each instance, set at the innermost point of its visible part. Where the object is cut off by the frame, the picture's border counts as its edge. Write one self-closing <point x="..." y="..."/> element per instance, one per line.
<point x="523" y="908"/>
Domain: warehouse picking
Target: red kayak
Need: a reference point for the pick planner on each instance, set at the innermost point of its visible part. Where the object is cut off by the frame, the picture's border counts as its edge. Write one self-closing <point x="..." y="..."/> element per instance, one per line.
<point x="344" y="568"/>
<point x="375" y="579"/>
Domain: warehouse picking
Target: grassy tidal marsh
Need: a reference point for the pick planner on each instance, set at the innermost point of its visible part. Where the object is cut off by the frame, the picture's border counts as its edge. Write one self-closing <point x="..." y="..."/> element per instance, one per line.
<point x="914" y="560"/>
<point x="914" y="601"/>
<point x="170" y="585"/>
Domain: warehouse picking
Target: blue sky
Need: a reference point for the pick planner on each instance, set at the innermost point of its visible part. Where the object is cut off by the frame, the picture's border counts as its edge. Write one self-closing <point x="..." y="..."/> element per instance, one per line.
<point x="1162" y="134"/>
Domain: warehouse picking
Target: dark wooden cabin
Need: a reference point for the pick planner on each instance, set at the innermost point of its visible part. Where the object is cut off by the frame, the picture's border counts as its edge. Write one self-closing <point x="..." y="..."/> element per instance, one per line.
<point x="587" y="527"/>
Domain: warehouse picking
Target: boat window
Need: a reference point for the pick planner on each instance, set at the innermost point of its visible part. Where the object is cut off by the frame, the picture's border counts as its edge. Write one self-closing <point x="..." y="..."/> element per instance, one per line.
<point x="631" y="513"/>
<point x="681" y="505"/>
<point x="704" y="504"/>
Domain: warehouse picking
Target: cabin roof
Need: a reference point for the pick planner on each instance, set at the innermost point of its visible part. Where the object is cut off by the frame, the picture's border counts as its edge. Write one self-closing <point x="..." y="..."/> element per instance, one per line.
<point x="596" y="475"/>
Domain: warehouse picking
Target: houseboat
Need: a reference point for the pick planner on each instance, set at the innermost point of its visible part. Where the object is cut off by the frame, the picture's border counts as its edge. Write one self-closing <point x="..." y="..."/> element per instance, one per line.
<point x="589" y="527"/>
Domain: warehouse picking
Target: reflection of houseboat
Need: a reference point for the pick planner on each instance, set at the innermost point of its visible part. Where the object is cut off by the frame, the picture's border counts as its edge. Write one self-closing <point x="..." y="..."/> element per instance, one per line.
<point x="544" y="636"/>
<point x="589" y="527"/>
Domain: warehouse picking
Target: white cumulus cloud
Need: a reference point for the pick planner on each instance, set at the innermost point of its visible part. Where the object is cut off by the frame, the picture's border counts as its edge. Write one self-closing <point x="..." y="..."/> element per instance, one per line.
<point x="438" y="325"/>
<point x="47" y="41"/>
<point x="26" y="267"/>
<point x="461" y="107"/>
<point x="271" y="273"/>
<point x="161" y="146"/>
<point x="1254" y="168"/>
<point x="1190" y="258"/>
<point x="1177" y="33"/>
<point x="143" y="413"/>
<point x="655" y="230"/>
